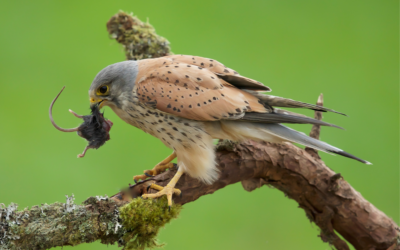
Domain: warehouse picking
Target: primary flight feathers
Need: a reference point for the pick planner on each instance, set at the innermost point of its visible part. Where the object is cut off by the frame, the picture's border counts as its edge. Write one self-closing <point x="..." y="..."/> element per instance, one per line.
<point x="284" y="102"/>
<point x="283" y="118"/>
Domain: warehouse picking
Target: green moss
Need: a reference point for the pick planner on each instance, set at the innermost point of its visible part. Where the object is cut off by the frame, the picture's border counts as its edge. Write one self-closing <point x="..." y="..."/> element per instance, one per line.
<point x="142" y="220"/>
<point x="139" y="39"/>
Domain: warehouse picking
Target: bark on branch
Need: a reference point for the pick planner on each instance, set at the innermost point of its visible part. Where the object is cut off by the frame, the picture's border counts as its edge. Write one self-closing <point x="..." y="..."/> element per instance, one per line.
<point x="327" y="199"/>
<point x="325" y="196"/>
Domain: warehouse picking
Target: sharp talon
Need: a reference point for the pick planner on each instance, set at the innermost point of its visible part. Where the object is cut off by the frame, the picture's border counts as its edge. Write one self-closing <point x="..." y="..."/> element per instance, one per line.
<point x="148" y="175"/>
<point x="168" y="190"/>
<point x="135" y="181"/>
<point x="180" y="196"/>
<point x="148" y="187"/>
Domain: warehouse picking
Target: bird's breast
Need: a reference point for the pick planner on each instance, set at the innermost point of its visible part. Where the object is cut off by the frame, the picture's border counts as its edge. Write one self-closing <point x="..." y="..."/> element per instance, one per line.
<point x="175" y="132"/>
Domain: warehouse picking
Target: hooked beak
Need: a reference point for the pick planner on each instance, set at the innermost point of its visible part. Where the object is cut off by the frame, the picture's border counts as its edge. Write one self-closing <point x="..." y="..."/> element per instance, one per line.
<point x="99" y="102"/>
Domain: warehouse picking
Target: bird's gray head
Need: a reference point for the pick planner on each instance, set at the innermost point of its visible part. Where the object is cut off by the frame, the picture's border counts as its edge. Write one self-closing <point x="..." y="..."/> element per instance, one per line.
<point x="112" y="82"/>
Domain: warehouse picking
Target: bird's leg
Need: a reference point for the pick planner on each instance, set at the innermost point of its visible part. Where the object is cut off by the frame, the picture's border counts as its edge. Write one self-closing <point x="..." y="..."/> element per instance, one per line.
<point x="168" y="190"/>
<point x="162" y="166"/>
<point x="159" y="168"/>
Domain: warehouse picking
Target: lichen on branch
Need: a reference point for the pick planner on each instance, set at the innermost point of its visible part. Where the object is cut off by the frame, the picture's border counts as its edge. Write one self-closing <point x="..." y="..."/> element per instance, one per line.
<point x="133" y="225"/>
<point x="138" y="38"/>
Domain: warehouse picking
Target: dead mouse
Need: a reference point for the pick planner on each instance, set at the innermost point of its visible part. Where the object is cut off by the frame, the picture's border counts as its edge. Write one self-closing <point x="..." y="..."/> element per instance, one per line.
<point x="95" y="129"/>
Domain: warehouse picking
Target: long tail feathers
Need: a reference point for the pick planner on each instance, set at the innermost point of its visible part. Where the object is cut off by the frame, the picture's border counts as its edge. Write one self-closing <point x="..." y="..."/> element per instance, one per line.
<point x="300" y="138"/>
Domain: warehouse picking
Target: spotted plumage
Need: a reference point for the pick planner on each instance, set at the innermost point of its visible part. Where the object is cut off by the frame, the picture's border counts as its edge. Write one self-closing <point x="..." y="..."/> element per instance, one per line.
<point x="191" y="91"/>
<point x="187" y="101"/>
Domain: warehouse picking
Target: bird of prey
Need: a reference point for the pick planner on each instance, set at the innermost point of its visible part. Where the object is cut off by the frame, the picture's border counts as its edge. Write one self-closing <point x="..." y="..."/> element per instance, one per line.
<point x="187" y="101"/>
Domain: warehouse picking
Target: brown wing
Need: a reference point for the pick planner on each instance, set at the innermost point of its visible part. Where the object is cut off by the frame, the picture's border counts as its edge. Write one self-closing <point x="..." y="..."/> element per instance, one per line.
<point x="191" y="92"/>
<point x="227" y="74"/>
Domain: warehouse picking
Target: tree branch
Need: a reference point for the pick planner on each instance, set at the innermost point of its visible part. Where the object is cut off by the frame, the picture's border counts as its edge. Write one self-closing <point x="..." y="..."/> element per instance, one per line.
<point x="139" y="39"/>
<point x="325" y="196"/>
<point x="327" y="199"/>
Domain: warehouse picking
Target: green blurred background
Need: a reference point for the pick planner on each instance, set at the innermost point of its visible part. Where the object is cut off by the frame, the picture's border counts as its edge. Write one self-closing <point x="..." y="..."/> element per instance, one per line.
<point x="347" y="50"/>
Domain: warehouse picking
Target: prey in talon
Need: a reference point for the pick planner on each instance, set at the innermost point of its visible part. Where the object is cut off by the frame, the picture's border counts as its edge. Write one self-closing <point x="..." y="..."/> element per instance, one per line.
<point x="187" y="101"/>
<point x="95" y="128"/>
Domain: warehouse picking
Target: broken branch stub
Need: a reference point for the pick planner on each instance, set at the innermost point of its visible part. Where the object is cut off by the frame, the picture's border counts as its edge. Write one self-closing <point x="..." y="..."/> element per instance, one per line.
<point x="316" y="129"/>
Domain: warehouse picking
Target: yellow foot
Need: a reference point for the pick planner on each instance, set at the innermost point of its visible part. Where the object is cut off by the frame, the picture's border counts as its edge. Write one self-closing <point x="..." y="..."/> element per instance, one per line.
<point x="159" y="168"/>
<point x="168" y="190"/>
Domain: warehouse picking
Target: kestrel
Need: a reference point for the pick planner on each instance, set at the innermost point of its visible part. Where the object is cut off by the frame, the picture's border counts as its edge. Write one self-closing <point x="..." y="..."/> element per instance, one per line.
<point x="187" y="101"/>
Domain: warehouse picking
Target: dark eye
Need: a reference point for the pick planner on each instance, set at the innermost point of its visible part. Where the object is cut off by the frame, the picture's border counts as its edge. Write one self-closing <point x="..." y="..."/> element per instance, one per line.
<point x="103" y="89"/>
